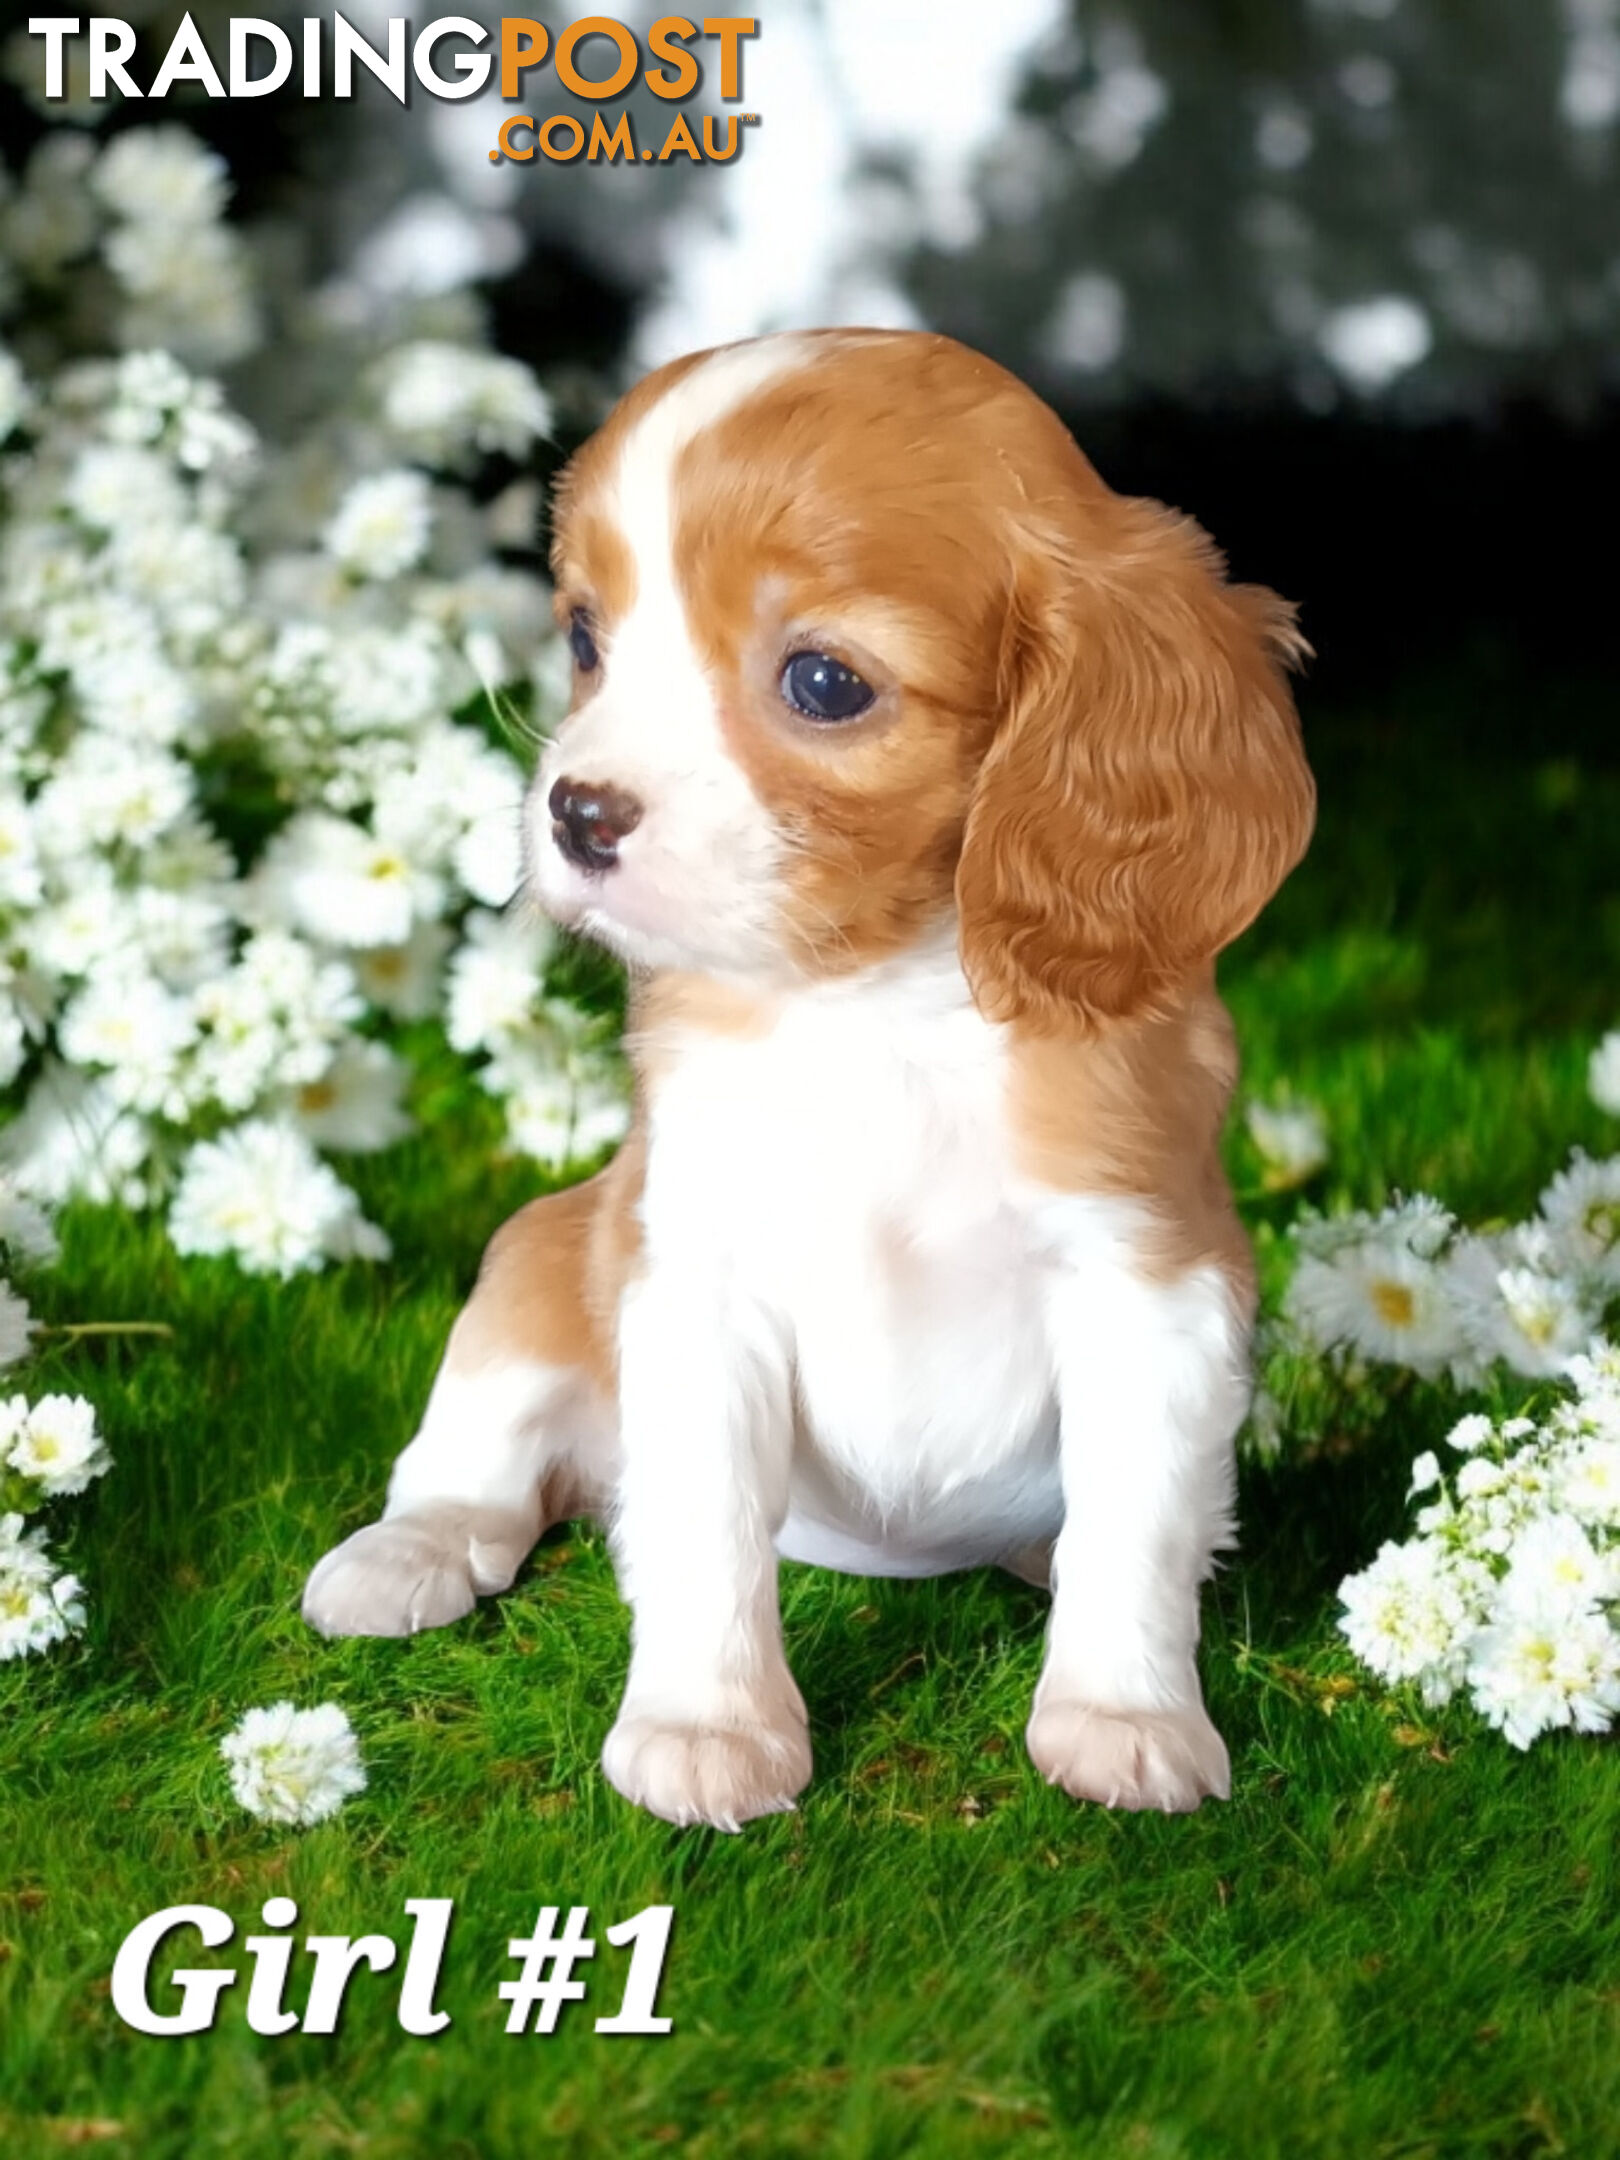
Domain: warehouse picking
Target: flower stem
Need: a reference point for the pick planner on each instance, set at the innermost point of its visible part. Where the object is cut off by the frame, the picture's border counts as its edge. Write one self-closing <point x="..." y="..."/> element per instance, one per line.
<point x="72" y="1331"/>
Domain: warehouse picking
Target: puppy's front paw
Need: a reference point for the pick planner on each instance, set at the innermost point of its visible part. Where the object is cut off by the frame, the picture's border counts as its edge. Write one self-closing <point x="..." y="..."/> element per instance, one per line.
<point x="1169" y="1759"/>
<point x="414" y="1571"/>
<point x="723" y="1775"/>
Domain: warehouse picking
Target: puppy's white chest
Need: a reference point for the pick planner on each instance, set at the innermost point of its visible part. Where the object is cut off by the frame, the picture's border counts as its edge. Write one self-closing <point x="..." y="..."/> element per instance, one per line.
<point x="856" y="1187"/>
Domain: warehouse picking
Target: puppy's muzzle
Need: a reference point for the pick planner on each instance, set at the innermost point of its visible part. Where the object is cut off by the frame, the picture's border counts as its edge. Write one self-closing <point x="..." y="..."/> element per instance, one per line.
<point x="589" y="819"/>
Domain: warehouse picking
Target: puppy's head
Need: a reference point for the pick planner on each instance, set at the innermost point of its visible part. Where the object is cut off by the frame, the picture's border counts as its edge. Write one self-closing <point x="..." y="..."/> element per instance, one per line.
<point x="863" y="645"/>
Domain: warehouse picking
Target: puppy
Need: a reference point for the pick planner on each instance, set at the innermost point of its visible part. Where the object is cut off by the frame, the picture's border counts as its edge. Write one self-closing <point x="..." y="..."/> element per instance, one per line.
<point x="918" y="778"/>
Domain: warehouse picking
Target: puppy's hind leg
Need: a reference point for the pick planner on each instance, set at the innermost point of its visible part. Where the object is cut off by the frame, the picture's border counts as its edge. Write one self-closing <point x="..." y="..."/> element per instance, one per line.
<point x="520" y="1431"/>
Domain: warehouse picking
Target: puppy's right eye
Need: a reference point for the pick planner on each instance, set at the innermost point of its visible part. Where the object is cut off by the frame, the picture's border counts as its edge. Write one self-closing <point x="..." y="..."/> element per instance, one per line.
<point x="823" y="689"/>
<point x="581" y="642"/>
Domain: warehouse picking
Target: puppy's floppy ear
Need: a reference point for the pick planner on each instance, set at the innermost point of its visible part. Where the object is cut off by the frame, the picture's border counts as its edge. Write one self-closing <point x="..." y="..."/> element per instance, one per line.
<point x="1146" y="791"/>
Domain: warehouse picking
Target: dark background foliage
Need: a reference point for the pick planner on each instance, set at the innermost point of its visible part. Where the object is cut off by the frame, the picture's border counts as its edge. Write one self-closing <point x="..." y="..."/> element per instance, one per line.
<point x="1232" y="171"/>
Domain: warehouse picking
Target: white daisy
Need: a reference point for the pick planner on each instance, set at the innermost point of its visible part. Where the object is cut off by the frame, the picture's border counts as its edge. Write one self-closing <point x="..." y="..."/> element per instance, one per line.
<point x="108" y="790"/>
<point x="91" y="922"/>
<point x="495" y="978"/>
<point x="1409" y="1615"/>
<point x="1554" y="1563"/>
<point x="1513" y="1306"/>
<point x="16" y="1327"/>
<point x="1595" y="1412"/>
<point x="277" y="1016"/>
<point x="145" y="700"/>
<point x="192" y="578"/>
<point x="390" y="681"/>
<point x="356" y="1104"/>
<point x="261" y="1194"/>
<point x="456" y="799"/>
<point x="381" y="527"/>
<point x="20" y="880"/>
<point x="1536" y="1667"/>
<point x="162" y="175"/>
<point x="139" y="1031"/>
<point x="25" y="1228"/>
<point x="1496" y="1499"/>
<point x="188" y="287"/>
<point x="189" y="857"/>
<point x="488" y="858"/>
<point x="72" y="1140"/>
<point x="113" y="486"/>
<point x="1470" y="1432"/>
<point x="1581" y="1211"/>
<point x="1480" y="1475"/>
<point x="56" y="1445"/>
<point x="444" y="400"/>
<point x="1425" y="1472"/>
<point x="1291" y="1140"/>
<point x="40" y="1605"/>
<point x="1377" y="1295"/>
<point x="405" y="980"/>
<point x="540" y="1123"/>
<point x="1595" y="1372"/>
<point x="329" y="878"/>
<point x="602" y="1113"/>
<point x="1546" y="1319"/>
<point x="184" y="937"/>
<point x="149" y="389"/>
<point x="153" y="395"/>
<point x="294" y="1766"/>
<point x="1587" y="1477"/>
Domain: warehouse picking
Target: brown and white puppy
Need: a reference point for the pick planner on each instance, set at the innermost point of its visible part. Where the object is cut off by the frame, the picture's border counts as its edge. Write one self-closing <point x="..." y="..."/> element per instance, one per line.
<point x="919" y="778"/>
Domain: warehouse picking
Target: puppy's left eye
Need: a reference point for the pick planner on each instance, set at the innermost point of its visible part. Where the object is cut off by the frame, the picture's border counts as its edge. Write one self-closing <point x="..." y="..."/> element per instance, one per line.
<point x="822" y="688"/>
<point x="581" y="642"/>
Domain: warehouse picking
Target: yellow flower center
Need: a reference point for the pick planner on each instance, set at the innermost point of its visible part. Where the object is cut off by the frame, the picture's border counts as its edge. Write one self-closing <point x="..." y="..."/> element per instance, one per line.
<point x="1539" y="1654"/>
<point x="1394" y="1303"/>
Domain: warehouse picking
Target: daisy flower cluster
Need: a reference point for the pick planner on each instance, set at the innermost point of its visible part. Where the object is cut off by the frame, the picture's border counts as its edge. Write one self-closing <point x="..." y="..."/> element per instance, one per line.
<point x="50" y="1450"/>
<point x="1509" y="1591"/>
<point x="251" y="824"/>
<point x="552" y="1063"/>
<point x="131" y="239"/>
<point x="1409" y="1286"/>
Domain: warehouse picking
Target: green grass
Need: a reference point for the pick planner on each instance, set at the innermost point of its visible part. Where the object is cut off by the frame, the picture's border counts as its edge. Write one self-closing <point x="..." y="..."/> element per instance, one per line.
<point x="1399" y="1938"/>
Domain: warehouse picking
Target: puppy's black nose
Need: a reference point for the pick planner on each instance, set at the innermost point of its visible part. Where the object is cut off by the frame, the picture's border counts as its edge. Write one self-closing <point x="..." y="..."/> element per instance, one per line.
<point x="589" y="819"/>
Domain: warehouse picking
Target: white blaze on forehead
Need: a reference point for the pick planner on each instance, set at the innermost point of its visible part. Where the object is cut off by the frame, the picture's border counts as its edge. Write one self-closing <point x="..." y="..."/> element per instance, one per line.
<point x="656" y="698"/>
<point x="640" y="493"/>
<point x="696" y="882"/>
